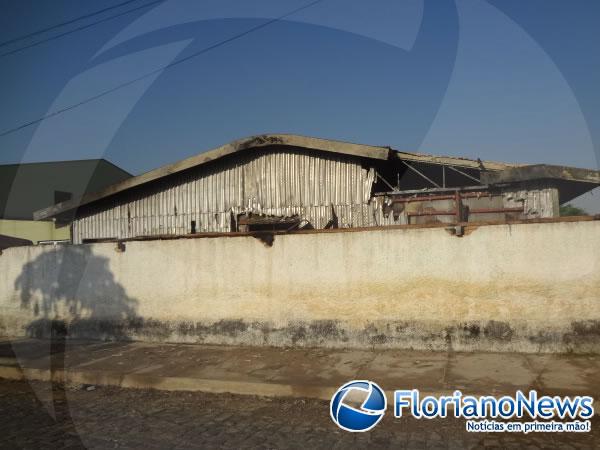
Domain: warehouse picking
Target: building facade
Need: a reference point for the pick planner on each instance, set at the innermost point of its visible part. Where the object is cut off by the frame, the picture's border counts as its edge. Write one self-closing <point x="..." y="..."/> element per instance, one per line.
<point x="28" y="187"/>
<point x="287" y="182"/>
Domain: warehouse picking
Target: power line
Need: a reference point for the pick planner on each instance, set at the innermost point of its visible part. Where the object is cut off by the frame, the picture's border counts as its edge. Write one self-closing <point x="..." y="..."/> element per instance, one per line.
<point x="83" y="27"/>
<point x="155" y="71"/>
<point x="68" y="22"/>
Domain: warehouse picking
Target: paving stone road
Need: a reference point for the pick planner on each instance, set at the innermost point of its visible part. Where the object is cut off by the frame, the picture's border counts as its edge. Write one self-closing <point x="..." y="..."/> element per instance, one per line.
<point x="37" y="415"/>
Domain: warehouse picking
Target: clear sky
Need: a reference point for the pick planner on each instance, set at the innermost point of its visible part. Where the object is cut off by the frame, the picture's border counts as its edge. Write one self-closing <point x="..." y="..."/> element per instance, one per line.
<point x="503" y="80"/>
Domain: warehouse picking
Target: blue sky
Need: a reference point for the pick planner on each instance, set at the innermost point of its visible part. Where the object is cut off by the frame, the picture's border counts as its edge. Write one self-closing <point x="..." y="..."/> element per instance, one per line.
<point x="503" y="80"/>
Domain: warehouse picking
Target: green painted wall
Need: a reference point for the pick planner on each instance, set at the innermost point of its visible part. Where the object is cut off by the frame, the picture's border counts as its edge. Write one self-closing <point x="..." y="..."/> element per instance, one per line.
<point x="33" y="231"/>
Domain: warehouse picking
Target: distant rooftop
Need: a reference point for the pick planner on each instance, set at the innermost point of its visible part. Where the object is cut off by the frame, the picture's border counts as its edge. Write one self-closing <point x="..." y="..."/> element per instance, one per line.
<point x="25" y="188"/>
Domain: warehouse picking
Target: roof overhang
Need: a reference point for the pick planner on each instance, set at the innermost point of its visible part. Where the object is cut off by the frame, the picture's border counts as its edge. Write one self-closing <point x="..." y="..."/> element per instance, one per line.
<point x="570" y="181"/>
<point x="542" y="172"/>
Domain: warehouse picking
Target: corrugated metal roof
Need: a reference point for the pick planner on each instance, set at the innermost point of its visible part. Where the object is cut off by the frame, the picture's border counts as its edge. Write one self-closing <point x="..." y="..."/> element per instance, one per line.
<point x="241" y="145"/>
<point x="283" y="183"/>
<point x="257" y="142"/>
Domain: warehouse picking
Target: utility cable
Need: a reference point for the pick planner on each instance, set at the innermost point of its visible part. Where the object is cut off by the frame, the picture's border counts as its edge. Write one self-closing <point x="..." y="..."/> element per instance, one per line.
<point x="155" y="71"/>
<point x="68" y="22"/>
<point x="83" y="27"/>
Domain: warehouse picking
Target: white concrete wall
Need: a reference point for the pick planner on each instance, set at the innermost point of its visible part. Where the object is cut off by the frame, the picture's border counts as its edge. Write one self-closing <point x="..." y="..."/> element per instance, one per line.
<point x="524" y="287"/>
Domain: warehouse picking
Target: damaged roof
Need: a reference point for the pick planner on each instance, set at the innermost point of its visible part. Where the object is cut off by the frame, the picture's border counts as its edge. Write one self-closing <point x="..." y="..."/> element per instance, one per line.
<point x="292" y="141"/>
<point x="570" y="181"/>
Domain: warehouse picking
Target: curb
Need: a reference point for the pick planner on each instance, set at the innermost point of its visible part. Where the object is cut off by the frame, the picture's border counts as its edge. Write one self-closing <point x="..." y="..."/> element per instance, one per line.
<point x="139" y="381"/>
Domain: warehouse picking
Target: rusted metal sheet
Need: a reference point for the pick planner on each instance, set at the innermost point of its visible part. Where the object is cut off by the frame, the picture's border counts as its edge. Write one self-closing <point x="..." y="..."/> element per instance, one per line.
<point x="468" y="227"/>
<point x="283" y="183"/>
<point x="471" y="206"/>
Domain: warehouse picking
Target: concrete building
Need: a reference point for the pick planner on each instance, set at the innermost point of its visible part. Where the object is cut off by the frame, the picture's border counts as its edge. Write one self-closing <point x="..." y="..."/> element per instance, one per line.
<point x="286" y="182"/>
<point x="25" y="188"/>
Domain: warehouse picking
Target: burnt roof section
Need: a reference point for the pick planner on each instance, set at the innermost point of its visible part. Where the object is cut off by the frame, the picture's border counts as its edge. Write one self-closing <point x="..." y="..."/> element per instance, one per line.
<point x="279" y="140"/>
<point x="455" y="161"/>
<point x="570" y="181"/>
<point x="241" y="145"/>
<point x="542" y="172"/>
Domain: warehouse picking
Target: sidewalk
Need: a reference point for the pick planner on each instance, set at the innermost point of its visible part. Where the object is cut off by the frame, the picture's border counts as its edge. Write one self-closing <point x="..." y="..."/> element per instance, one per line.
<point x="298" y="372"/>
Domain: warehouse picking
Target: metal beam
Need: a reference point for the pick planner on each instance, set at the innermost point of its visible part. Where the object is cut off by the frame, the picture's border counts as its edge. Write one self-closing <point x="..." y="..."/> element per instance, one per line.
<point x="418" y="172"/>
<point x="443" y="176"/>
<point x="385" y="181"/>
<point x="464" y="174"/>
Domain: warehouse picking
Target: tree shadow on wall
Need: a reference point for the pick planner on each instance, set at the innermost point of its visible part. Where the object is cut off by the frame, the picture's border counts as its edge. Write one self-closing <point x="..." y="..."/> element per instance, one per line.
<point x="72" y="292"/>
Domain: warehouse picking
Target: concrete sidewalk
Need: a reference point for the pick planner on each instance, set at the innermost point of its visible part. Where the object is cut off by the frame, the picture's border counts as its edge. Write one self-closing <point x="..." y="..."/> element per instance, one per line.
<point x="297" y="372"/>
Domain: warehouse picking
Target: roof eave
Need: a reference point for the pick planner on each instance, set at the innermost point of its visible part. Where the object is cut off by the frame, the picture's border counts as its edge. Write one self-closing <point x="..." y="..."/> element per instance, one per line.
<point x="542" y="172"/>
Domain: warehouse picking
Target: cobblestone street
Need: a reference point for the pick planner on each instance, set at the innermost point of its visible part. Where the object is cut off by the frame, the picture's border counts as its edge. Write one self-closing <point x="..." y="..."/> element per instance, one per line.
<point x="102" y="417"/>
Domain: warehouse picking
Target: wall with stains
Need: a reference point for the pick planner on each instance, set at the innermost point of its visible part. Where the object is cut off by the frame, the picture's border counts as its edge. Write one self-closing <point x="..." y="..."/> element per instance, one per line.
<point x="521" y="287"/>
